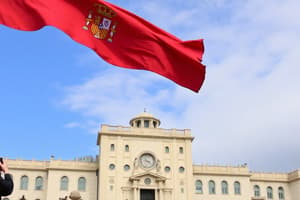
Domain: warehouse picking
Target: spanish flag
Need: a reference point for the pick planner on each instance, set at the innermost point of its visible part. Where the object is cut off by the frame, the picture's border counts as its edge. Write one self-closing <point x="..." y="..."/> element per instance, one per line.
<point x="119" y="37"/>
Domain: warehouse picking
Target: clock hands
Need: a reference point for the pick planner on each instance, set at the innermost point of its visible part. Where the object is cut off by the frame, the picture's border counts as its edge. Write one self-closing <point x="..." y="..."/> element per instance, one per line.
<point x="147" y="160"/>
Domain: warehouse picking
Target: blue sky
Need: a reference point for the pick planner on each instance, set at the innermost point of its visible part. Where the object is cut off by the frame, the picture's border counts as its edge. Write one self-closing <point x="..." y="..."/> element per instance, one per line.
<point x="56" y="93"/>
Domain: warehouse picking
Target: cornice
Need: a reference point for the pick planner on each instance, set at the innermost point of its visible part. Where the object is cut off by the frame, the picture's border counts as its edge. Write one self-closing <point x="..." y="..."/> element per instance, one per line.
<point x="147" y="135"/>
<point x="221" y="170"/>
<point x="33" y="165"/>
<point x="157" y="133"/>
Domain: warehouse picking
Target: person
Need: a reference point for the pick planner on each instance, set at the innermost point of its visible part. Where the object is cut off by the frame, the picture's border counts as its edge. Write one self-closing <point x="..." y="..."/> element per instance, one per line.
<point x="6" y="182"/>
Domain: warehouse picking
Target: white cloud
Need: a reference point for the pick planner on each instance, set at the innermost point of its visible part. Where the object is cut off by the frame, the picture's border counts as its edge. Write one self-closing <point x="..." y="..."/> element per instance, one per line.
<point x="117" y="92"/>
<point x="249" y="107"/>
<point x="72" y="125"/>
<point x="91" y="126"/>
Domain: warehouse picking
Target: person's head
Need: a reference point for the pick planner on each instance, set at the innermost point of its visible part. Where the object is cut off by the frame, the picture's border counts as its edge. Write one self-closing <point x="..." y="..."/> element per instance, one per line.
<point x="3" y="166"/>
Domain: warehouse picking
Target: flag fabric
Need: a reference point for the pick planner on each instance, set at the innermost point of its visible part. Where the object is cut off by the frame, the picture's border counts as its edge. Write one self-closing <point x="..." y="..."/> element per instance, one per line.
<point x="120" y="37"/>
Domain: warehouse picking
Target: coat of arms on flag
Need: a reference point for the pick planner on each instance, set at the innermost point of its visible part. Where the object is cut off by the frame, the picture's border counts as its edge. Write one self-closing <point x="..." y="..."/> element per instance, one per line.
<point x="100" y="22"/>
<point x="119" y="37"/>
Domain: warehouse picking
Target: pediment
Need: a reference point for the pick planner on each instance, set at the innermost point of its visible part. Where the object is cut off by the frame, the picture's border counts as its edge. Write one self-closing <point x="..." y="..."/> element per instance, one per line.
<point x="139" y="176"/>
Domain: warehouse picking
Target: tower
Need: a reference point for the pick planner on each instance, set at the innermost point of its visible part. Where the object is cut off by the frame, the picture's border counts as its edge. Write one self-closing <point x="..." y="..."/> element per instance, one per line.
<point x="145" y="162"/>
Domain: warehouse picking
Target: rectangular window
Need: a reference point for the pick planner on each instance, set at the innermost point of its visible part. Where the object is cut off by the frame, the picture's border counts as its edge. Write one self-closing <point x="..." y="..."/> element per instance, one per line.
<point x="138" y="124"/>
<point x="146" y="123"/>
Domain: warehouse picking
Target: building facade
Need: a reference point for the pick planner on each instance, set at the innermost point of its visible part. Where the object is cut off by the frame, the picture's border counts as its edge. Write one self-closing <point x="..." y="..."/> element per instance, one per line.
<point x="145" y="162"/>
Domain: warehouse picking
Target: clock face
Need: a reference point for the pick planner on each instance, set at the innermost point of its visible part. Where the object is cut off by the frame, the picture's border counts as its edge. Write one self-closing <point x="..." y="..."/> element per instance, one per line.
<point x="147" y="160"/>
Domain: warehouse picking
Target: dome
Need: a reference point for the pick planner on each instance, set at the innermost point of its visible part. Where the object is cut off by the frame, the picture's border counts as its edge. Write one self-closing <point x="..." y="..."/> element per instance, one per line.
<point x="144" y="120"/>
<point x="144" y="114"/>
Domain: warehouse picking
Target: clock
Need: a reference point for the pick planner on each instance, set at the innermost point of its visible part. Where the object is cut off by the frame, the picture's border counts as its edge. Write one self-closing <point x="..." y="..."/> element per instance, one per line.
<point x="147" y="160"/>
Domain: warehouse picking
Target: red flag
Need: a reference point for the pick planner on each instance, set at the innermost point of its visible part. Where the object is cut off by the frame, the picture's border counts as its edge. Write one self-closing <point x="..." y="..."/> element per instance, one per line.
<point x="118" y="36"/>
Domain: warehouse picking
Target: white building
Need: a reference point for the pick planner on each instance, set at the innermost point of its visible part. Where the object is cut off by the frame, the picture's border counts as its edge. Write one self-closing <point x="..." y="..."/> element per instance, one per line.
<point x="145" y="162"/>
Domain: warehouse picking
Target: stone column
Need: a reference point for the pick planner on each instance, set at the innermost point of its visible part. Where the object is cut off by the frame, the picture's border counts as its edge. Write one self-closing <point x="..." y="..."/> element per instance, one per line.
<point x="161" y="195"/>
<point x="138" y="193"/>
<point x="151" y="124"/>
<point x="161" y="192"/>
<point x="135" y="197"/>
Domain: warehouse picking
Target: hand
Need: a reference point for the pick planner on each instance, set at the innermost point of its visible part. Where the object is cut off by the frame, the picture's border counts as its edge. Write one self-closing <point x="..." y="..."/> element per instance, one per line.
<point x="3" y="167"/>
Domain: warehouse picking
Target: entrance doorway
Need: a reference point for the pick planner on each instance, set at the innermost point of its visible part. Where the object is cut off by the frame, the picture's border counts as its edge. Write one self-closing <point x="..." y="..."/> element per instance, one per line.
<point x="147" y="194"/>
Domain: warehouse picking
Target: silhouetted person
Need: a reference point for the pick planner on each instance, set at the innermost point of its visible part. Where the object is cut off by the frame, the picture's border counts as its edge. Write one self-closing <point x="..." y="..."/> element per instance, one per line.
<point x="6" y="182"/>
<point x="23" y="198"/>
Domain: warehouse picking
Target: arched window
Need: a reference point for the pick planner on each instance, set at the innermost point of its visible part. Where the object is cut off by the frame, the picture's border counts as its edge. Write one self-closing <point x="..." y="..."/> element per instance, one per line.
<point x="24" y="183"/>
<point x="126" y="148"/>
<point x="269" y="192"/>
<point x="81" y="184"/>
<point x="212" y="187"/>
<point x="167" y="169"/>
<point x="224" y="187"/>
<point x="126" y="167"/>
<point x="256" y="191"/>
<point x="39" y="183"/>
<point x="64" y="183"/>
<point x="167" y="149"/>
<point x="181" y="150"/>
<point x="181" y="169"/>
<point x="237" y="187"/>
<point x="198" y="185"/>
<point x="112" y="147"/>
<point x="281" y="193"/>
